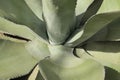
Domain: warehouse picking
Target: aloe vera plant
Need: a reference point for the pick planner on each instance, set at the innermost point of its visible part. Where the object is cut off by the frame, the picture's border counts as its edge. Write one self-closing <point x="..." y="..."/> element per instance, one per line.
<point x="66" y="39"/>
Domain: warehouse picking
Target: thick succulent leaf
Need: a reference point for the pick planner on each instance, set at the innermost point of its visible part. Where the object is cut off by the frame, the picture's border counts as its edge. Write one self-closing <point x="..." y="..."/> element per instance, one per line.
<point x="80" y="9"/>
<point x="93" y="25"/>
<point x="36" y="7"/>
<point x="111" y="74"/>
<point x="113" y="32"/>
<point x="63" y="65"/>
<point x="88" y="70"/>
<point x="110" y="6"/>
<point x="39" y="76"/>
<point x="36" y="45"/>
<point x="86" y="9"/>
<point x="18" y="12"/>
<point x="60" y="18"/>
<point x="107" y="53"/>
<point x="82" y="6"/>
<point x="109" y="33"/>
<point x="91" y="10"/>
<point x="17" y="58"/>
<point x="34" y="73"/>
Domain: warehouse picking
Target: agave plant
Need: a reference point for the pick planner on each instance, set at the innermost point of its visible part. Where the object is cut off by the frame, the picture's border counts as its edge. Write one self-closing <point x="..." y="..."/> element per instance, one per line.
<point x="66" y="39"/>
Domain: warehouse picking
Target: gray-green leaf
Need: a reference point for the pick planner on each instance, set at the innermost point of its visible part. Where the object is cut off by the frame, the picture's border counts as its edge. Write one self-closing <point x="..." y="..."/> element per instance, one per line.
<point x="107" y="53"/>
<point x="93" y="25"/>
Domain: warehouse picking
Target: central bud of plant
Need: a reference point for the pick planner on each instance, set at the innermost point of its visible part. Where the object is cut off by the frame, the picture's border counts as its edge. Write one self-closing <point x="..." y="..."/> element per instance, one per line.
<point x="63" y="56"/>
<point x="60" y="19"/>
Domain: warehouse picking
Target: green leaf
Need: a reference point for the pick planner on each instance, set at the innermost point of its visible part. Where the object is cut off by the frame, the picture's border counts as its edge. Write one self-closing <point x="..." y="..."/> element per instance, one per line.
<point x="109" y="6"/>
<point x="109" y="33"/>
<point x="18" y="12"/>
<point x="15" y="60"/>
<point x="35" y="75"/>
<point x="88" y="70"/>
<point x="91" y="10"/>
<point x="60" y="18"/>
<point x="111" y="74"/>
<point x="36" y="7"/>
<point x="82" y="6"/>
<point x="39" y="76"/>
<point x="93" y="25"/>
<point x="80" y="9"/>
<point x="86" y="9"/>
<point x="113" y="31"/>
<point x="63" y="65"/>
<point x="107" y="53"/>
<point x="36" y="46"/>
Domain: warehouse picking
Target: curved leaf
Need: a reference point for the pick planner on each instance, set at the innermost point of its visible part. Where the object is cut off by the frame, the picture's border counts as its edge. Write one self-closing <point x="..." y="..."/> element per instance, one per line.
<point x="63" y="65"/>
<point x="60" y="18"/>
<point x="82" y="6"/>
<point x="36" y="46"/>
<point x="111" y="74"/>
<point x="80" y="10"/>
<point x="34" y="73"/>
<point x="86" y="9"/>
<point x="93" y="25"/>
<point x="107" y="53"/>
<point x="36" y="7"/>
<point x="109" y="6"/>
<point x="109" y="33"/>
<point x="18" y="12"/>
<point x="91" y="10"/>
<point x="39" y="76"/>
<point x="88" y="70"/>
<point x="16" y="58"/>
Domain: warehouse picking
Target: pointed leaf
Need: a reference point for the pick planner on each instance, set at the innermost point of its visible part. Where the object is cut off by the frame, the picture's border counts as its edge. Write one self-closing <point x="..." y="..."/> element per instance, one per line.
<point x="63" y="65"/>
<point x="82" y="6"/>
<point x="91" y="10"/>
<point x="111" y="74"/>
<point x="36" y="46"/>
<point x="109" y="6"/>
<point x="39" y="76"/>
<point x="34" y="73"/>
<point x="107" y="53"/>
<point x="109" y="33"/>
<point x="36" y="7"/>
<point x="93" y="25"/>
<point x="88" y="70"/>
<point x="17" y="58"/>
<point x="19" y="12"/>
<point x="60" y="18"/>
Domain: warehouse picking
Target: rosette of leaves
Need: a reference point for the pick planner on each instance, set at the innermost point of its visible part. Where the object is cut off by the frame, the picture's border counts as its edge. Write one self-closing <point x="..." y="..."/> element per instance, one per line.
<point x="67" y="39"/>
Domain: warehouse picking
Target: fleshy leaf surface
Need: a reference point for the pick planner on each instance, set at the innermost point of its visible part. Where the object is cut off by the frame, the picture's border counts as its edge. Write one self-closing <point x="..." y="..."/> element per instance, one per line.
<point x="18" y="12"/>
<point x="91" y="10"/>
<point x="17" y="58"/>
<point x="63" y="65"/>
<point x="93" y="25"/>
<point x="109" y="6"/>
<point x="82" y="6"/>
<point x="36" y="7"/>
<point x="107" y="53"/>
<point x="111" y="74"/>
<point x="60" y="19"/>
<point x="109" y="33"/>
